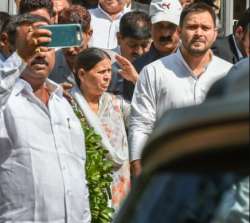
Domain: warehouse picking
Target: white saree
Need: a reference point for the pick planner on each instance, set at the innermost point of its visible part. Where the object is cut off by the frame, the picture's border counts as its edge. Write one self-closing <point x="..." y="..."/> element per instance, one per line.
<point x="109" y="123"/>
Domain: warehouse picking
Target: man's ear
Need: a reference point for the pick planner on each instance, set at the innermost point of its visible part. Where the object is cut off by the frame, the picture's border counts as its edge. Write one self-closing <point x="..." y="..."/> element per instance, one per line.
<point x="88" y="35"/>
<point x="215" y="33"/>
<point x="178" y="29"/>
<point x="4" y="38"/>
<point x="90" y="32"/>
<point x="1" y="42"/>
<point x="239" y="32"/>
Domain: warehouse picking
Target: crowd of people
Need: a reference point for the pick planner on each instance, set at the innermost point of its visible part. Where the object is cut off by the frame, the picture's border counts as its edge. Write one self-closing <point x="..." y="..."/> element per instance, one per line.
<point x="134" y="64"/>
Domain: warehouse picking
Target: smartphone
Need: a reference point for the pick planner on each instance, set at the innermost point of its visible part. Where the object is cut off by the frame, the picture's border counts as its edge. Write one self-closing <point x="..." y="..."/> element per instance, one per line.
<point x="64" y="35"/>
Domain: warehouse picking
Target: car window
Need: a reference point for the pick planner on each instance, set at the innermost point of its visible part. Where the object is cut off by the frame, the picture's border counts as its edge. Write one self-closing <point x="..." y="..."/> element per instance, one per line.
<point x="234" y="206"/>
<point x="188" y="198"/>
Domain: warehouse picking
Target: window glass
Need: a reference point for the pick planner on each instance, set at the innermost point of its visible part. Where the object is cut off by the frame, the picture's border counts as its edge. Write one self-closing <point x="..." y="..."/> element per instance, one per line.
<point x="190" y="198"/>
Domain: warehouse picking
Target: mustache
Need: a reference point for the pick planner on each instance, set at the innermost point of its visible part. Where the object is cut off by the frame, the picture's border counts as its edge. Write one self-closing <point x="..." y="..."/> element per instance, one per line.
<point x="165" y="39"/>
<point x="39" y="60"/>
<point x="197" y="40"/>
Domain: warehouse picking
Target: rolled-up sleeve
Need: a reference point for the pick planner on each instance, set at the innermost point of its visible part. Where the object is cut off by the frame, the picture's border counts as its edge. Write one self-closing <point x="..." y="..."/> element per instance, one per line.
<point x="10" y="70"/>
<point x="143" y="112"/>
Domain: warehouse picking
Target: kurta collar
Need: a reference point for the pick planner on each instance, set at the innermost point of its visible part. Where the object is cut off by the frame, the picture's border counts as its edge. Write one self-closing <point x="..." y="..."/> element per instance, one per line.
<point x="183" y="61"/>
<point x="24" y="86"/>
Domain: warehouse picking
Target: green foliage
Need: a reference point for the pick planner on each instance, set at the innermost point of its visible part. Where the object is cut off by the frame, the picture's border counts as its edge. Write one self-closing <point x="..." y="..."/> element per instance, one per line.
<point x="98" y="173"/>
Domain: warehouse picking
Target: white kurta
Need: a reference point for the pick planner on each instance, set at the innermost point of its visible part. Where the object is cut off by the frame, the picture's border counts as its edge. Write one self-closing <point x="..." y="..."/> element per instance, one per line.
<point x="104" y="28"/>
<point x="42" y="156"/>
<point x="166" y="84"/>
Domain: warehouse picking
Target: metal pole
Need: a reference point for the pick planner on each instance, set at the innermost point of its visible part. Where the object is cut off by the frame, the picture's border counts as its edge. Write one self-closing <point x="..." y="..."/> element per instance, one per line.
<point x="228" y="21"/>
<point x="4" y="5"/>
<point x="247" y="4"/>
<point x="12" y="7"/>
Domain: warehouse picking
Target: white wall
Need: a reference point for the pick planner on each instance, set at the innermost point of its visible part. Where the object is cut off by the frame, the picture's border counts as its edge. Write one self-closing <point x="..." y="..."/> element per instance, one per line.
<point x="4" y="5"/>
<point x="8" y="6"/>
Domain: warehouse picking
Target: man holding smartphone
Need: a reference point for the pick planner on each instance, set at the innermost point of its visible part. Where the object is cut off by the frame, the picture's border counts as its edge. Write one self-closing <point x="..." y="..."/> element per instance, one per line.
<point x="63" y="72"/>
<point x="42" y="156"/>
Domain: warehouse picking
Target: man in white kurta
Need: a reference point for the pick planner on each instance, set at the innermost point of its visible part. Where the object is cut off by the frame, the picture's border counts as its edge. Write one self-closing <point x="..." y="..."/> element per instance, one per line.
<point x="105" y="20"/>
<point x="42" y="150"/>
<point x="178" y="80"/>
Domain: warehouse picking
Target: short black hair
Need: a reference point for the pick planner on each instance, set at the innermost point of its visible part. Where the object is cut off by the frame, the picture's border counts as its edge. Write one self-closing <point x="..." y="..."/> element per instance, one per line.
<point x="11" y="26"/>
<point x="244" y="20"/>
<point x="88" y="58"/>
<point x="135" y="24"/>
<point x="27" y="6"/>
<point x="209" y="2"/>
<point x="197" y="7"/>
<point x="4" y="17"/>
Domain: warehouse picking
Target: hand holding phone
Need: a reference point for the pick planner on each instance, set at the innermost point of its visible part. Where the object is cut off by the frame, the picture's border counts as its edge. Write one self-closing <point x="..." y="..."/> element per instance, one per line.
<point x="27" y="43"/>
<point x="64" y="35"/>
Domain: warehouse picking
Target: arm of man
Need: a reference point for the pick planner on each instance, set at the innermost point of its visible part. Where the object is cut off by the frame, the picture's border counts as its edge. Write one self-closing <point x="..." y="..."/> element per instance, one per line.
<point x="9" y="72"/>
<point x="142" y="116"/>
<point x="26" y="45"/>
<point x="125" y="108"/>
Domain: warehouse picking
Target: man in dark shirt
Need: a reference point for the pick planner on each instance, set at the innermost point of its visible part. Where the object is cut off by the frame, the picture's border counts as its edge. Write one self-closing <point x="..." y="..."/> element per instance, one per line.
<point x="134" y="39"/>
<point x="235" y="46"/>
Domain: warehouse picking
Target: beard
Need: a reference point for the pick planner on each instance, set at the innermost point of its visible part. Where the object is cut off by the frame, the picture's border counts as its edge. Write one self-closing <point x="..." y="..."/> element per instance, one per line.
<point x="195" y="50"/>
<point x="198" y="46"/>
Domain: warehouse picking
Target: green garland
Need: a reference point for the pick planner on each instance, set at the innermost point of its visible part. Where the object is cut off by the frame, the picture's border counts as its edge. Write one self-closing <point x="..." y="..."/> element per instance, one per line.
<point x="98" y="172"/>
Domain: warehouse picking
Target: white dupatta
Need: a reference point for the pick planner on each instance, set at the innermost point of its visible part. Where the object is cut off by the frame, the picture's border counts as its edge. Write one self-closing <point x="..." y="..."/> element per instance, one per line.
<point x="116" y="156"/>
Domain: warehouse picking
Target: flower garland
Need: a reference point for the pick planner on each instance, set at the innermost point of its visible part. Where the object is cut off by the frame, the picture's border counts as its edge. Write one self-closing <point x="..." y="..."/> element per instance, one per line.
<point x="98" y="172"/>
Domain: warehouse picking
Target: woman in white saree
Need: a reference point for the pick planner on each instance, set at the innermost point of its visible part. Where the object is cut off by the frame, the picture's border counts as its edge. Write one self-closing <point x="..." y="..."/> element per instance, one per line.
<point x="105" y="113"/>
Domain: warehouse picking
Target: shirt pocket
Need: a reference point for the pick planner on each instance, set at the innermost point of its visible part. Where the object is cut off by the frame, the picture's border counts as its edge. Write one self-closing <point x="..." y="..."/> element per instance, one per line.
<point x="77" y="139"/>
